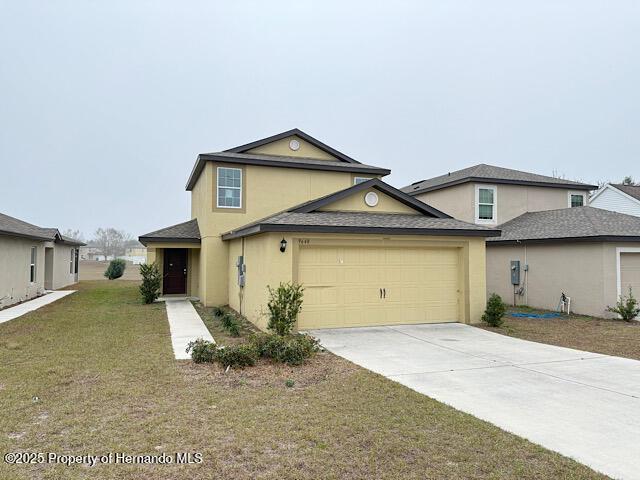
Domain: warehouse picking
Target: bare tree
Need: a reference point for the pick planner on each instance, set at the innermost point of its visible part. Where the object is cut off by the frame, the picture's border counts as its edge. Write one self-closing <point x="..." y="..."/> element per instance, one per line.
<point x="75" y="234"/>
<point x="110" y="242"/>
<point x="628" y="180"/>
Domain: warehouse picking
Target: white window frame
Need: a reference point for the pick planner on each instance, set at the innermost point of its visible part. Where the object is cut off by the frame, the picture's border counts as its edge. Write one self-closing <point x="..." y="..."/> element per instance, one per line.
<point x="218" y="187"/>
<point x="71" y="261"/>
<point x="571" y="193"/>
<point x="484" y="221"/>
<point x="362" y="180"/>
<point x="33" y="263"/>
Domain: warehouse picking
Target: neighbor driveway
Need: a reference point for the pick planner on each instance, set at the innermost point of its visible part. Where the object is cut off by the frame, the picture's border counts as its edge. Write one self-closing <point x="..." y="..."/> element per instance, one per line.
<point x="581" y="404"/>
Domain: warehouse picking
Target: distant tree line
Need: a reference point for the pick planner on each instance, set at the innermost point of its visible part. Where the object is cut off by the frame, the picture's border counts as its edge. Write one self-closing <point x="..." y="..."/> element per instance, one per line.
<point x="110" y="241"/>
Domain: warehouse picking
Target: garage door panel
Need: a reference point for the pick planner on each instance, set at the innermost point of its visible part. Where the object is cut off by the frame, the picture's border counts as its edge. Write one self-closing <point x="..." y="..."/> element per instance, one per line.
<point x="342" y="286"/>
<point x="630" y="273"/>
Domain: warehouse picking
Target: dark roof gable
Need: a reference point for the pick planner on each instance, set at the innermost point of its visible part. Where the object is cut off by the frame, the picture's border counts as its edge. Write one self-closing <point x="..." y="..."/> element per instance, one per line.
<point x="181" y="232"/>
<point x="18" y="228"/>
<point x="631" y="190"/>
<point x="299" y="133"/>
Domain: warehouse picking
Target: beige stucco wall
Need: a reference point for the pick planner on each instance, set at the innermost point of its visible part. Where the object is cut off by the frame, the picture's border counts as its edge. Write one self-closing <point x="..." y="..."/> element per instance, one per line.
<point x="512" y="200"/>
<point x="355" y="203"/>
<point x="281" y="147"/>
<point x="15" y="258"/>
<point x="584" y="271"/>
<point x="266" y="265"/>
<point x="457" y="201"/>
<point x="61" y="263"/>
<point x="267" y="190"/>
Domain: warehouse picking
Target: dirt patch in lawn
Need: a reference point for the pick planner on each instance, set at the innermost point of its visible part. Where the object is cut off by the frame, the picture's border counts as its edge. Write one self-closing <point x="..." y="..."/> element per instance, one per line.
<point x="598" y="335"/>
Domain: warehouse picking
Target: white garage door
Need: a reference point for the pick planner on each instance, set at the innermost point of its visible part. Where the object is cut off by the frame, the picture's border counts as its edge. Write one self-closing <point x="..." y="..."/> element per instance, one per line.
<point x="360" y="286"/>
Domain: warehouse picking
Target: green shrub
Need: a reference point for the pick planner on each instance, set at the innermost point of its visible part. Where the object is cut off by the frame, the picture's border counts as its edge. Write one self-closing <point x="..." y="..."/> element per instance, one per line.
<point x="151" y="281"/>
<point x="290" y="383"/>
<point x="202" y="351"/>
<point x="496" y="309"/>
<point x="243" y="355"/>
<point x="230" y="324"/>
<point x="218" y="311"/>
<point x="285" y="303"/>
<point x="290" y="349"/>
<point x="626" y="307"/>
<point x="115" y="269"/>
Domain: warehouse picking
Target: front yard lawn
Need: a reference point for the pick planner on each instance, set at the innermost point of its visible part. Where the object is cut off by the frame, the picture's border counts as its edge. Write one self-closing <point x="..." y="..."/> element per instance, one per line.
<point x="610" y="337"/>
<point x="101" y="366"/>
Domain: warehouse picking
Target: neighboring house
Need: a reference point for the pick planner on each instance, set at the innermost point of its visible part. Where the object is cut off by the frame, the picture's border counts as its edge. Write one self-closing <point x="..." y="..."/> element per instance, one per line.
<point x="34" y="259"/>
<point x="619" y="198"/>
<point x="290" y="208"/>
<point x="136" y="255"/>
<point x="90" y="253"/>
<point x="489" y="195"/>
<point x="591" y="255"/>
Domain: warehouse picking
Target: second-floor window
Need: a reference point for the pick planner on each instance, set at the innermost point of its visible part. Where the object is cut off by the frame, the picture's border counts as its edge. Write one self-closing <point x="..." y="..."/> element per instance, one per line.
<point x="576" y="199"/>
<point x="229" y="187"/>
<point x="485" y="204"/>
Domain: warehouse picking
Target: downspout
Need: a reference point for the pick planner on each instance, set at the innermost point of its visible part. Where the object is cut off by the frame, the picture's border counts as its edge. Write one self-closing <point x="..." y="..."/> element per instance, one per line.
<point x="526" y="277"/>
<point x="241" y="289"/>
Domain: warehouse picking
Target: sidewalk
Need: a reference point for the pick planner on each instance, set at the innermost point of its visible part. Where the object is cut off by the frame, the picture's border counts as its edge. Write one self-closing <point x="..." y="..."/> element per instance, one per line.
<point x="31" y="305"/>
<point x="185" y="325"/>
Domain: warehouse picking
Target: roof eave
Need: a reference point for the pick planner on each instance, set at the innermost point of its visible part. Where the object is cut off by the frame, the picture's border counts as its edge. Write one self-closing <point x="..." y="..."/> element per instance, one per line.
<point x="502" y="181"/>
<point x="592" y="239"/>
<point x="8" y="233"/>
<point x="270" y="227"/>
<point x="347" y="167"/>
<point x="145" y="240"/>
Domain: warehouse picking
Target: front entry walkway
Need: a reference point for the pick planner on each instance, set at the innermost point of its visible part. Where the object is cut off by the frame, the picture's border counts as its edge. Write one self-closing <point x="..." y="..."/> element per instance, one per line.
<point x="583" y="405"/>
<point x="185" y="325"/>
<point x="31" y="305"/>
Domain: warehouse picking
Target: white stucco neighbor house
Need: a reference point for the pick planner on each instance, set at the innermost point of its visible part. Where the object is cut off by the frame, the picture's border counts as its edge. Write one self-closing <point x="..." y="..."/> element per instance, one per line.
<point x="618" y="198"/>
<point x="34" y="259"/>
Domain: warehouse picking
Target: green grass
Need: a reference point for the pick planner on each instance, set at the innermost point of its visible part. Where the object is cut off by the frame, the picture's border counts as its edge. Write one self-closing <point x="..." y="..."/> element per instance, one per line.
<point x="102" y="366"/>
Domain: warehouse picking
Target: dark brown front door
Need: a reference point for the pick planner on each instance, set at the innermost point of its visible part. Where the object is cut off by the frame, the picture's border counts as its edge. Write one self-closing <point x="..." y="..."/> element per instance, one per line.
<point x="175" y="271"/>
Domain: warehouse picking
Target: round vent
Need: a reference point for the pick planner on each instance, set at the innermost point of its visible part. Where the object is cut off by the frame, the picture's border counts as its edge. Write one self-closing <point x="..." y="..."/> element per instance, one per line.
<point x="371" y="199"/>
<point x="294" y="145"/>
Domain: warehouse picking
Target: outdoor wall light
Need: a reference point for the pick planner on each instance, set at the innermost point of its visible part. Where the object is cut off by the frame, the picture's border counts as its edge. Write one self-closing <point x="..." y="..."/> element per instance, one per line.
<point x="283" y="245"/>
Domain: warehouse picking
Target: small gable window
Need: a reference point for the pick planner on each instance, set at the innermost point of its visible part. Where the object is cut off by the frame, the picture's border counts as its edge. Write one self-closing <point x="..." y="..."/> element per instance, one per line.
<point x="357" y="180"/>
<point x="576" y="199"/>
<point x="485" y="204"/>
<point x="229" y="187"/>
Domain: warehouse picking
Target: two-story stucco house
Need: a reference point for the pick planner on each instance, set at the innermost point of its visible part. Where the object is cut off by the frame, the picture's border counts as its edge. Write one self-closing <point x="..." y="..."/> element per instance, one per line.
<point x="291" y="208"/>
<point x="34" y="259"/>
<point x="551" y="241"/>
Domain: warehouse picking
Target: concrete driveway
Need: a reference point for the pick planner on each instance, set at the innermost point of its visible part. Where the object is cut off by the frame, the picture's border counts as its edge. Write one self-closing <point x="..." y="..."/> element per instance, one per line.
<point x="583" y="405"/>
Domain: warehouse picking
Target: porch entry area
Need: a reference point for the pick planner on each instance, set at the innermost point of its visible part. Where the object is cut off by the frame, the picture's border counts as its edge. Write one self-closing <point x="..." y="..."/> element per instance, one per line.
<point x="179" y="265"/>
<point x="175" y="271"/>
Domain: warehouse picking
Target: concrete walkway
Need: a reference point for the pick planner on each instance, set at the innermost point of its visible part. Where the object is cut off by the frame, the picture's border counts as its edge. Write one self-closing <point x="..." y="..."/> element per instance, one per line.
<point x="31" y="305"/>
<point x="185" y="325"/>
<point x="583" y="405"/>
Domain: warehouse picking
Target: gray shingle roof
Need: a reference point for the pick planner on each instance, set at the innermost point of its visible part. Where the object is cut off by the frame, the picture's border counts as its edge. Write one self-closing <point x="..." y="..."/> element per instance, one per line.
<point x="581" y="223"/>
<point x="182" y="232"/>
<point x="14" y="227"/>
<point x="361" y="222"/>
<point x="631" y="190"/>
<point x="489" y="173"/>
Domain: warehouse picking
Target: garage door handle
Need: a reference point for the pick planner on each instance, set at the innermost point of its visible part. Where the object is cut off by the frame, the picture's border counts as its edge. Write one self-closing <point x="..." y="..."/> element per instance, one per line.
<point x="384" y="293"/>
<point x="380" y="293"/>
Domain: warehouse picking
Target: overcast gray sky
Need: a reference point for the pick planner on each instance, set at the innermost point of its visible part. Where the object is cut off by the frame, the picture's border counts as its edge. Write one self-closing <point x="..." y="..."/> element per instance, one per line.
<point x="105" y="105"/>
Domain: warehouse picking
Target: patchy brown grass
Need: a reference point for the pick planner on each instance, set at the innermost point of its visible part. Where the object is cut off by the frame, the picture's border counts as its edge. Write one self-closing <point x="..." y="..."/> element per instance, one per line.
<point x="102" y="366"/>
<point x="610" y="337"/>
